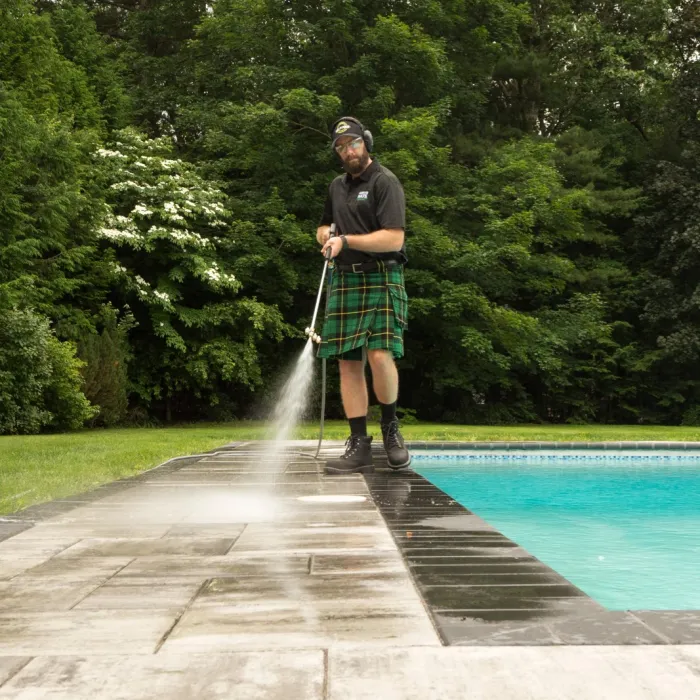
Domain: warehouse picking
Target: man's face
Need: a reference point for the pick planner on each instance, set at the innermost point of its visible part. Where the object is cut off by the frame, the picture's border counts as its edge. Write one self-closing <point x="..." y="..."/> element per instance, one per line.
<point x="353" y="154"/>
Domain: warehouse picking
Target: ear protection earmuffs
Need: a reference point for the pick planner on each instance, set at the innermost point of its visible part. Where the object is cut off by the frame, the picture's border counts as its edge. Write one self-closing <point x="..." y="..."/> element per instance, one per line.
<point x="366" y="133"/>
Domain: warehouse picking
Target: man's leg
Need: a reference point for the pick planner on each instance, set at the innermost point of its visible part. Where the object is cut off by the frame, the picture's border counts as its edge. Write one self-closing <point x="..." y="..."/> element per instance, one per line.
<point x="385" y="380"/>
<point x="353" y="391"/>
<point x="385" y="376"/>
<point x="353" y="388"/>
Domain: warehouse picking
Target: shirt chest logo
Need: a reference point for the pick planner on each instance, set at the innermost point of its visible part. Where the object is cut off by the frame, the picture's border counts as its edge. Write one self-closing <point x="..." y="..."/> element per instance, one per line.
<point x="362" y="196"/>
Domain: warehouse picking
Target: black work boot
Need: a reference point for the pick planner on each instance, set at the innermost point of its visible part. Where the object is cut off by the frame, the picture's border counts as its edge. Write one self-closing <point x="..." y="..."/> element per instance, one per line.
<point x="357" y="457"/>
<point x="397" y="455"/>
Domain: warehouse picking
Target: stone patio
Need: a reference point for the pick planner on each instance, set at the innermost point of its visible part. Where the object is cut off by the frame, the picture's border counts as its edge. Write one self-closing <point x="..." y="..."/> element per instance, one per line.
<point x="251" y="575"/>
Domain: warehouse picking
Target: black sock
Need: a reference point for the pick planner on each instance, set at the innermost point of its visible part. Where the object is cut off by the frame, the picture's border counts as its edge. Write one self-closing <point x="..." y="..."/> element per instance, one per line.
<point x="358" y="426"/>
<point x="388" y="412"/>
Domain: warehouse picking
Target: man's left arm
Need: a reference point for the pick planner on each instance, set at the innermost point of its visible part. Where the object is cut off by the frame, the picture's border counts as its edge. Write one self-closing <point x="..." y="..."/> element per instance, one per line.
<point x="385" y="240"/>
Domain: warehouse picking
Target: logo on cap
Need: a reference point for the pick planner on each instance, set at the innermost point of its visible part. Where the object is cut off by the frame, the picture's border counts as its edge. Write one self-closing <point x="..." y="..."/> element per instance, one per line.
<point x="342" y="128"/>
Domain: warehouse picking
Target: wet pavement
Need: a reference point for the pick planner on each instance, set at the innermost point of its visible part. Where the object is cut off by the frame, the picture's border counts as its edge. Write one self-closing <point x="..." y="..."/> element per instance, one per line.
<point x="250" y="575"/>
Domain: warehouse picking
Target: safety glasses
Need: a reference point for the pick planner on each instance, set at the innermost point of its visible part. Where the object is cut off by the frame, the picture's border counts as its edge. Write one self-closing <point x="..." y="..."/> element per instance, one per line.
<point x="354" y="144"/>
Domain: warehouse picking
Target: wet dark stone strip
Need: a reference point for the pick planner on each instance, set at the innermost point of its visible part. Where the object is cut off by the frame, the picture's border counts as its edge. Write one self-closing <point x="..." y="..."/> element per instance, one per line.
<point x="483" y="589"/>
<point x="11" y="528"/>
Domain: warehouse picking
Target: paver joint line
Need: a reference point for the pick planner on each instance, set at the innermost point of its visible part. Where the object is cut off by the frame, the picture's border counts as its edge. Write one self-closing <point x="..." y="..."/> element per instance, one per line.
<point x="178" y="617"/>
<point x="19" y="668"/>
<point x="325" y="693"/>
<point x="666" y="639"/>
<point x="100" y="585"/>
<point x="235" y="539"/>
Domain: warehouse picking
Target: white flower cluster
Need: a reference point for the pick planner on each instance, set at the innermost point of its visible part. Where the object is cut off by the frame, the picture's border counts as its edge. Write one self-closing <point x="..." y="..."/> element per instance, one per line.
<point x="143" y="286"/>
<point x="215" y="275"/>
<point x="212" y="273"/>
<point x="181" y="236"/>
<point x="106" y="153"/>
<point x="142" y="210"/>
<point x="163" y="296"/>
<point x="121" y="229"/>
<point x="127" y="185"/>
<point x="116" y="234"/>
<point x="119" y="268"/>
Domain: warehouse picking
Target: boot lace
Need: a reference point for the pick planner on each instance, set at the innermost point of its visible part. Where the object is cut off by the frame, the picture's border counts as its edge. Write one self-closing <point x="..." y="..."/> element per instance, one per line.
<point x="393" y="437"/>
<point x="351" y="446"/>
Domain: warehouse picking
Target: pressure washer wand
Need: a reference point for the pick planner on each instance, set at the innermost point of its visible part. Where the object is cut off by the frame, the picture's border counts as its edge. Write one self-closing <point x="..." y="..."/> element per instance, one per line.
<point x="311" y="330"/>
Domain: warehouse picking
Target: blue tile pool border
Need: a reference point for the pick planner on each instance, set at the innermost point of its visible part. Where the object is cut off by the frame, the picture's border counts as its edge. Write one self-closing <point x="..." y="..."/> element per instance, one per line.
<point x="541" y="445"/>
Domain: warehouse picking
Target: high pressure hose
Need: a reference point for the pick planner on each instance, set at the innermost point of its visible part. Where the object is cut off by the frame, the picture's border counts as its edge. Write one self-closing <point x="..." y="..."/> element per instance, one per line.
<point x="311" y="332"/>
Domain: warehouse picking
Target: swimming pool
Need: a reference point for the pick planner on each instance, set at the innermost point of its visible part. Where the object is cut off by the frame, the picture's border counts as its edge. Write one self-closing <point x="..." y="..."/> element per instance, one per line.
<point x="623" y="527"/>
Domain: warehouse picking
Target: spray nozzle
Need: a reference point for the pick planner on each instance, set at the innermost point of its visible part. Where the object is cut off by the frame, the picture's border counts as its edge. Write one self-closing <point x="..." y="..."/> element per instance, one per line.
<point x="313" y="335"/>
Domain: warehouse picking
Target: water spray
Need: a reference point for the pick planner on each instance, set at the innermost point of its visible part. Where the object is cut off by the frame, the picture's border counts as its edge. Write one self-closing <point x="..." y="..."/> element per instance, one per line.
<point x="294" y="394"/>
<point x="316" y="338"/>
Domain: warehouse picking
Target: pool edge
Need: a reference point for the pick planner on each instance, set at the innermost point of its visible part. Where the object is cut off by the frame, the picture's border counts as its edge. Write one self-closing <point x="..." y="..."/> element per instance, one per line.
<point x="552" y="612"/>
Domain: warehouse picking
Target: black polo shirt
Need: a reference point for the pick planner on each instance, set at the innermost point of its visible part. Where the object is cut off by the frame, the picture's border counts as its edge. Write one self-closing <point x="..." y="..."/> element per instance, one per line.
<point x="364" y="204"/>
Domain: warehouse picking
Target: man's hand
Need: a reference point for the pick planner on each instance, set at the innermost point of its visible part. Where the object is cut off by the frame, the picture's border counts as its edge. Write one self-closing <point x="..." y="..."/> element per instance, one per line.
<point x="323" y="234"/>
<point x="335" y="245"/>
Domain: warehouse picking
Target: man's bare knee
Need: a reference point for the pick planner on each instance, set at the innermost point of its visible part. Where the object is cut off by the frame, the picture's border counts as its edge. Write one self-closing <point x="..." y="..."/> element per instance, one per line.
<point x="377" y="357"/>
<point x="352" y="368"/>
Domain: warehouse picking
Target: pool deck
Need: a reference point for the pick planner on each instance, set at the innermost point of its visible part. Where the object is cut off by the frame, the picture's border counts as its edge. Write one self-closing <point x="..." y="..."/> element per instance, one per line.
<point x="251" y="575"/>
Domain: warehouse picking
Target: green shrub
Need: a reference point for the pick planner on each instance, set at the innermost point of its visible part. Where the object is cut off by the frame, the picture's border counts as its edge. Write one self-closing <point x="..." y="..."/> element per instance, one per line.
<point x="39" y="377"/>
<point x="106" y="384"/>
<point x="691" y="417"/>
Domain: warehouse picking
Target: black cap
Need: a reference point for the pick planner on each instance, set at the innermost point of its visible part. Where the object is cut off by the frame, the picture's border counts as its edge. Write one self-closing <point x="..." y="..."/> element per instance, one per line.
<point x="346" y="127"/>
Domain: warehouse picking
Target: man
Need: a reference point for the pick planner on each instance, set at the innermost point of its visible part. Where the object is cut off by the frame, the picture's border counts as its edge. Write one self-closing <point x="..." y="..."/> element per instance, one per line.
<point x="367" y="306"/>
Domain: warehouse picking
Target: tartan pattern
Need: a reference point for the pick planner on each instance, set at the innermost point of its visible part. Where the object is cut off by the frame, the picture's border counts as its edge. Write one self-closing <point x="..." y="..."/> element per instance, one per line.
<point x="365" y="309"/>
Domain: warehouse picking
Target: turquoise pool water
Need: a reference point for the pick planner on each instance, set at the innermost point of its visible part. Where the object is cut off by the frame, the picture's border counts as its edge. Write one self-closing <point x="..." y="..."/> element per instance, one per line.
<point x="625" y="530"/>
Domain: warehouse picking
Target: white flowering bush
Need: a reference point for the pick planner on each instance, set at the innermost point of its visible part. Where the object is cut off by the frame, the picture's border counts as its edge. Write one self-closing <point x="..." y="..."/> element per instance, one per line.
<point x="169" y="230"/>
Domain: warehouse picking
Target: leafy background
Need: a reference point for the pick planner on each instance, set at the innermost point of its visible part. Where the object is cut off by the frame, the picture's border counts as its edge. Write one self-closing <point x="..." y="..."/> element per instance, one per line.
<point x="164" y="165"/>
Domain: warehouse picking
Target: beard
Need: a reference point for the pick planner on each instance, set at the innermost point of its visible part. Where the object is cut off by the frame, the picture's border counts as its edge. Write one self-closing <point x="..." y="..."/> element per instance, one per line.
<point x="356" y="164"/>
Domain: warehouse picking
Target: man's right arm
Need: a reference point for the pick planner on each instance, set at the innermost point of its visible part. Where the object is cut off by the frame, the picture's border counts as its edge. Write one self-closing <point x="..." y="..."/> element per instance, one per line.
<point x="323" y="233"/>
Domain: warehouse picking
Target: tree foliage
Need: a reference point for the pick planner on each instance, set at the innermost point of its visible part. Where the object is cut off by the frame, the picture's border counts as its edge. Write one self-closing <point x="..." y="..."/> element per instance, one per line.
<point x="165" y="162"/>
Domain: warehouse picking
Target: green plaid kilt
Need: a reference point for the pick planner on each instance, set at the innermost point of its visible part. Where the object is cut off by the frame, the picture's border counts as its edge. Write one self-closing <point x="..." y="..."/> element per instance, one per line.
<point x="365" y="309"/>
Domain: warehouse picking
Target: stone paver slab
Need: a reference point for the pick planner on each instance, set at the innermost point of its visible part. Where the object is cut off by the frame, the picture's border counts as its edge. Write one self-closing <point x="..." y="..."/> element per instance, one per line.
<point x="9" y="665"/>
<point x="11" y="528"/>
<point x="83" y="632"/>
<point x="343" y="564"/>
<point x="124" y="593"/>
<point x="223" y="530"/>
<point x="18" y="556"/>
<point x="606" y="627"/>
<point x="104" y="530"/>
<point x="263" y="675"/>
<point x="678" y="626"/>
<point x="210" y="567"/>
<point x="534" y="673"/>
<point x="24" y="546"/>
<point x="36" y="594"/>
<point x="296" y="623"/>
<point x="185" y="546"/>
<point x="311" y="540"/>
<point x="76" y="568"/>
<point x="247" y="593"/>
<point x="13" y="565"/>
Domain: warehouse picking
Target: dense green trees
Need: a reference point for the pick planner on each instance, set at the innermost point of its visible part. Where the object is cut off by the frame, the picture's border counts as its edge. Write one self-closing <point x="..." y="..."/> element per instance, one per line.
<point x="549" y="153"/>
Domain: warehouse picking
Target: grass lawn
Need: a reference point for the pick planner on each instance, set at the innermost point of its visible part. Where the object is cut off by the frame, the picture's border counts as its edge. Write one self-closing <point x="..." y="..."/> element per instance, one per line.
<point x="39" y="468"/>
